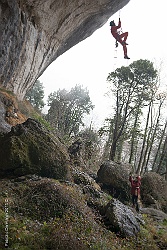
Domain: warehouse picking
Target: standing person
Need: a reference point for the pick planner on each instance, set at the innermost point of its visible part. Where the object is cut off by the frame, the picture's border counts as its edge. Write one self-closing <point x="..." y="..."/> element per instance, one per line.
<point x="135" y="190"/>
<point x="119" y="37"/>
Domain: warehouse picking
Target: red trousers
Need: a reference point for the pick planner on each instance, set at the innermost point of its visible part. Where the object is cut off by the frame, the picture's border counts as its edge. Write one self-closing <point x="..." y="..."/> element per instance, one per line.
<point x="122" y="40"/>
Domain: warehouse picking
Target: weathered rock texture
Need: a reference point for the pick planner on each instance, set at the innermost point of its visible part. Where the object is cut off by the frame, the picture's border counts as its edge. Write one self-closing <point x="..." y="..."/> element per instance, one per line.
<point x="31" y="149"/>
<point x="154" y="213"/>
<point x="114" y="178"/>
<point x="10" y="114"/>
<point x="52" y="198"/>
<point x="121" y="219"/>
<point x="33" y="33"/>
<point x="154" y="191"/>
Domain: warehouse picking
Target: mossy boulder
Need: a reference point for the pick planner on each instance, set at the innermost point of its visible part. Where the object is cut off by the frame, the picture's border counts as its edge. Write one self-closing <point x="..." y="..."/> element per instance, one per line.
<point x="44" y="199"/>
<point x="29" y="148"/>
<point x="94" y="196"/>
<point x="114" y="178"/>
<point x="154" y="191"/>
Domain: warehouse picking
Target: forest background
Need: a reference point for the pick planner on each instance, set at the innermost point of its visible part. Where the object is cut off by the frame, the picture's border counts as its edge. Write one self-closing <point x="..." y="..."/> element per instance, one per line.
<point x="134" y="133"/>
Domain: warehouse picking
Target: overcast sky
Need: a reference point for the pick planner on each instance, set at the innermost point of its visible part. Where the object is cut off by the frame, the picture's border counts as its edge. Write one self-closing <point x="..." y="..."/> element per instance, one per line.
<point x="90" y="62"/>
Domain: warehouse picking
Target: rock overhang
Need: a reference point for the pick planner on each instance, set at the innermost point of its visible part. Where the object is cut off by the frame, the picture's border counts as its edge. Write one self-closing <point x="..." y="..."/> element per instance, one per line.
<point x="35" y="32"/>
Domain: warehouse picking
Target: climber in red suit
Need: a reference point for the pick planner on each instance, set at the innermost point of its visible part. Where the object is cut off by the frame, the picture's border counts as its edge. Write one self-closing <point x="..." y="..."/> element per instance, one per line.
<point x="119" y="37"/>
<point x="135" y="190"/>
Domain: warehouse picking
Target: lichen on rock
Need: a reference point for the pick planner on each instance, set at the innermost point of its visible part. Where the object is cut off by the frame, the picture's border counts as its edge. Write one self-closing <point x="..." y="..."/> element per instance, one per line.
<point x="154" y="191"/>
<point x="114" y="177"/>
<point x="29" y="148"/>
<point x="122" y="219"/>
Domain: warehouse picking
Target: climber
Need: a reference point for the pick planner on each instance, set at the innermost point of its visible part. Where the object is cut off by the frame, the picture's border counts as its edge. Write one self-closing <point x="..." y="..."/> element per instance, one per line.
<point x="119" y="37"/>
<point x="135" y="190"/>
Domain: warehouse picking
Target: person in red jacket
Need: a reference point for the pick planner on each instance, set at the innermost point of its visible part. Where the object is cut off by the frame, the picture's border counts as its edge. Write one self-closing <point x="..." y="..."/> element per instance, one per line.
<point x="121" y="38"/>
<point x="135" y="190"/>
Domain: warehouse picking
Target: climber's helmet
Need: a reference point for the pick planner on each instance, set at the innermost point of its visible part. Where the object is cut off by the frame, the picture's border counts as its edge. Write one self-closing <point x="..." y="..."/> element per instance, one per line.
<point x="112" y="23"/>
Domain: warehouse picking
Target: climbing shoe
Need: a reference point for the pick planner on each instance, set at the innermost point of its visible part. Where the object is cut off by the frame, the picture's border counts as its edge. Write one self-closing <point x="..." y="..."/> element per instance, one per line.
<point x="126" y="57"/>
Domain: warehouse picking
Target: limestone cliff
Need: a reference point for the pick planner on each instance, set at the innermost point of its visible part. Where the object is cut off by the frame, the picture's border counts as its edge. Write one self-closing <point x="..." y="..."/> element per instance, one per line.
<point x="33" y="33"/>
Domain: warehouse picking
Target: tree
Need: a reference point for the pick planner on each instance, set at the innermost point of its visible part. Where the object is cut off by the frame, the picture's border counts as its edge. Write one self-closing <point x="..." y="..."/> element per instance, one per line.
<point x="92" y="147"/>
<point x="153" y="130"/>
<point x="67" y="109"/>
<point x="162" y="166"/>
<point x="132" y="88"/>
<point x="159" y="164"/>
<point x="35" y="95"/>
<point x="159" y="150"/>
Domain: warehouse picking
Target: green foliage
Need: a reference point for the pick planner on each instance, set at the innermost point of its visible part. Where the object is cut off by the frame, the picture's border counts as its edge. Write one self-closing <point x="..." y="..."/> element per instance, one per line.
<point x="35" y="95"/>
<point x="165" y="222"/>
<point x="67" y="109"/>
<point x="42" y="120"/>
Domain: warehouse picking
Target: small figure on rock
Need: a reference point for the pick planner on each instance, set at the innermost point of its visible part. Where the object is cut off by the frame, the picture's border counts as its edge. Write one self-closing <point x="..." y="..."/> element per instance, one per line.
<point x="135" y="190"/>
<point x="121" y="38"/>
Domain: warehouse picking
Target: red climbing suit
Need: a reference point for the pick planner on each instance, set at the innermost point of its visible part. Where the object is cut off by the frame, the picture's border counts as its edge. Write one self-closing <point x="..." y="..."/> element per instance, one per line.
<point x="119" y="37"/>
<point x="135" y="185"/>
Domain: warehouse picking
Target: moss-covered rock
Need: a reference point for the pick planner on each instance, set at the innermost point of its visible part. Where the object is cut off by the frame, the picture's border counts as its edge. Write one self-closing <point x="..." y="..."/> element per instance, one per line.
<point x="44" y="199"/>
<point x="49" y="214"/>
<point x="94" y="196"/>
<point x="154" y="191"/>
<point x="114" y="178"/>
<point x="29" y="148"/>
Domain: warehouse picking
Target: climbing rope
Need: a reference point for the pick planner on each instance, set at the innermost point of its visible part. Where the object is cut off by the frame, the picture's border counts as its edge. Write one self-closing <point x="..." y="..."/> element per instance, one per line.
<point x="115" y="53"/>
<point x="115" y="59"/>
<point x="115" y="50"/>
<point x="121" y="31"/>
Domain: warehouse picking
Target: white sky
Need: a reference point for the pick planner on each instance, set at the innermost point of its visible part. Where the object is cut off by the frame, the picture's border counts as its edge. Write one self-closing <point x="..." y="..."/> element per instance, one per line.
<point x="90" y="61"/>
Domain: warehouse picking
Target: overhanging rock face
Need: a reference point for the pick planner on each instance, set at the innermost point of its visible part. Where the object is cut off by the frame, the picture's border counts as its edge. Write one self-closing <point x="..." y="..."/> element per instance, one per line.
<point x="33" y="33"/>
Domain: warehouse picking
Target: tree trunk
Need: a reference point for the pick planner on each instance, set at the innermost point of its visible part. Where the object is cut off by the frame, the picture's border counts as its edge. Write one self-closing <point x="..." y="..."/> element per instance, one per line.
<point x="113" y="150"/>
<point x="153" y="136"/>
<point x="164" y="151"/>
<point x="133" y="137"/>
<point x="118" y="132"/>
<point x="144" y="140"/>
<point x="159" y="146"/>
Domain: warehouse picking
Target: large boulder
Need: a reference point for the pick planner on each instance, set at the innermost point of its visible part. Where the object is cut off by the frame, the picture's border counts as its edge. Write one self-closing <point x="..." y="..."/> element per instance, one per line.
<point x="29" y="148"/>
<point x="95" y="197"/>
<point x="154" y="191"/>
<point x="121" y="219"/>
<point x="114" y="178"/>
<point x="42" y="198"/>
<point x="156" y="214"/>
